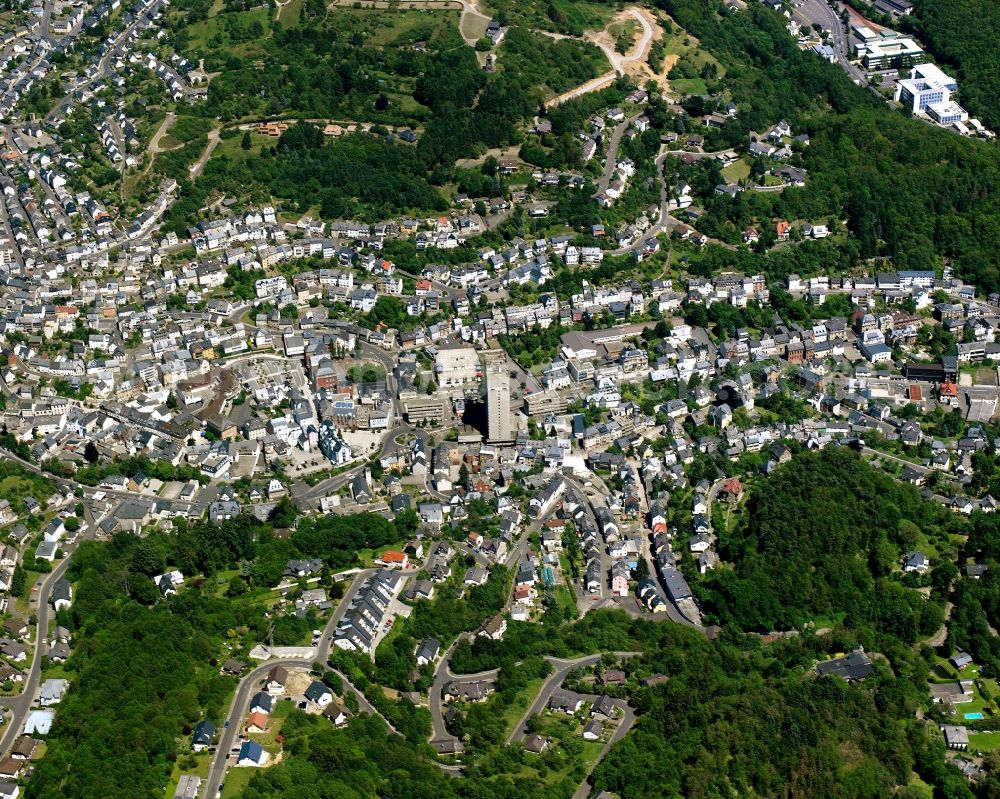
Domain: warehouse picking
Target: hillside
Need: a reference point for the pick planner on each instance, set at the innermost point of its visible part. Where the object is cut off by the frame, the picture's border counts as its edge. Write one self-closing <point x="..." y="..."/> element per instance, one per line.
<point x="970" y="50"/>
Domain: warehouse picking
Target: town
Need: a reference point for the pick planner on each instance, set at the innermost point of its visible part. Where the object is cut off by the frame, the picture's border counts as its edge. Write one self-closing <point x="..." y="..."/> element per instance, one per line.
<point x="458" y="477"/>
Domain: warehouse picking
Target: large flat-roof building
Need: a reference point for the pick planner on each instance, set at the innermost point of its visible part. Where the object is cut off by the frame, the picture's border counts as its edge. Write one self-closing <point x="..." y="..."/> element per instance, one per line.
<point x="927" y="86"/>
<point x="896" y="53"/>
<point x="456" y="367"/>
<point x="947" y="113"/>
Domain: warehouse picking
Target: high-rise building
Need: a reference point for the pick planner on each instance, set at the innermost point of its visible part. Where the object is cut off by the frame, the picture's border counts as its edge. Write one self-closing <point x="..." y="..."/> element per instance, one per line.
<point x="500" y="424"/>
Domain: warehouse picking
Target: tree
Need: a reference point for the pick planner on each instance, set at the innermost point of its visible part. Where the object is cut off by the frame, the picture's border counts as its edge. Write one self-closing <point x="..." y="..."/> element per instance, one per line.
<point x="18" y="581"/>
<point x="246" y="143"/>
<point x="147" y="558"/>
<point x="90" y="453"/>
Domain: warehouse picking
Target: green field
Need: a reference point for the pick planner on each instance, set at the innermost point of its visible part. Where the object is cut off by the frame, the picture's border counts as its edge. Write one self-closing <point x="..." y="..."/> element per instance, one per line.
<point x="214" y="33"/>
<point x="689" y="86"/>
<point x="402" y="28"/>
<point x="236" y="780"/>
<point x="737" y="171"/>
<point x="516" y="709"/>
<point x="203" y="760"/>
<point x="984" y="741"/>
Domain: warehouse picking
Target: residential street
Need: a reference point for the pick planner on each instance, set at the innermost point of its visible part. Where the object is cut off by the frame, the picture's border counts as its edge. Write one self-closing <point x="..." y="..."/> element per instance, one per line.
<point x="21" y="704"/>
<point x="250" y="684"/>
<point x="551" y="685"/>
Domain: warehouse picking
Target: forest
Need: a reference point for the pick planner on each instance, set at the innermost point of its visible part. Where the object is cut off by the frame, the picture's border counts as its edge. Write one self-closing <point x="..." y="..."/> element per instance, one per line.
<point x="739" y="719"/>
<point x="969" y="51"/>
<point x="733" y="718"/>
<point x="823" y="537"/>
<point x="906" y="190"/>
<point x="142" y="678"/>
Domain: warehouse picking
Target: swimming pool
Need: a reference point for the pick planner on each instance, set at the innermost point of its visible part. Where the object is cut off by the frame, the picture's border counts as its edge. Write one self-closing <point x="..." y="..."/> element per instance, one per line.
<point x="973" y="715"/>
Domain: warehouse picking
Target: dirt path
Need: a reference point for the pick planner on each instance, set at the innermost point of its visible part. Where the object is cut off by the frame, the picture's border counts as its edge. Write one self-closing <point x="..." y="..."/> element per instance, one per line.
<point x="154" y="143"/>
<point x="632" y="63"/>
<point x="213" y="142"/>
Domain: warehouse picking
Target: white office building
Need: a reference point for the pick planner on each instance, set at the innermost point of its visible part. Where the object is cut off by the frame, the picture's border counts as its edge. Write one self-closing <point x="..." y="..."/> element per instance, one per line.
<point x="926" y="86"/>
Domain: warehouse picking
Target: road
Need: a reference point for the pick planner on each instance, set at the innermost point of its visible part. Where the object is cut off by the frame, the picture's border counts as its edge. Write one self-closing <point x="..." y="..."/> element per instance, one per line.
<point x="213" y="142"/>
<point x="612" y="157"/>
<point x="250" y="684"/>
<point x="617" y="60"/>
<point x="562" y="669"/>
<point x="941" y="635"/>
<point x="820" y="14"/>
<point x="624" y="725"/>
<point x="21" y="704"/>
<point x="441" y="677"/>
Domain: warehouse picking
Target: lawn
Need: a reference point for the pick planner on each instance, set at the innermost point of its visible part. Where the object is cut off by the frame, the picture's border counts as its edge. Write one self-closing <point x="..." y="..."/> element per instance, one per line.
<point x="203" y="761"/>
<point x="275" y="722"/>
<point x="516" y="709"/>
<point x="983" y="741"/>
<point x="232" y="146"/>
<point x="565" y="599"/>
<point x="689" y="86"/>
<point x="736" y="171"/>
<point x="560" y="727"/>
<point x="236" y="780"/>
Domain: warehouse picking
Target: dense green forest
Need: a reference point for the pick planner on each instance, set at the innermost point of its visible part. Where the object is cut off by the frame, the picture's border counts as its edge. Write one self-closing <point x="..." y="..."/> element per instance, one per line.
<point x="736" y="719"/>
<point x="144" y="668"/>
<point x="905" y="189"/>
<point x="962" y="35"/>
<point x="825" y="536"/>
<point x="141" y="678"/>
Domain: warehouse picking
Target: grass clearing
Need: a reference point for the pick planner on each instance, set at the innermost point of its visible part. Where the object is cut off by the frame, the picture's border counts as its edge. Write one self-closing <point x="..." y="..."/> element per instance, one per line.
<point x="690" y="86"/>
<point x="983" y="741"/>
<point x="400" y="28"/>
<point x="736" y="171"/>
<point x="203" y="762"/>
<point x="566" y="600"/>
<point x="236" y="780"/>
<point x="289" y="13"/>
<point x="217" y="32"/>
<point x="516" y="709"/>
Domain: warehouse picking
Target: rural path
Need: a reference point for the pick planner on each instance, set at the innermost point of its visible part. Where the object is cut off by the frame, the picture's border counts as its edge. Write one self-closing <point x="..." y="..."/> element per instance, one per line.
<point x="618" y="61"/>
<point x="611" y="161"/>
<point x="165" y="125"/>
<point x="472" y="15"/>
<point x="213" y="142"/>
<point x="939" y="637"/>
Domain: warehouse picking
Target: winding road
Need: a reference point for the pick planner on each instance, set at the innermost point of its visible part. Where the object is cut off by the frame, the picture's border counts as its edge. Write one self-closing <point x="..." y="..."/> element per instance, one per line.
<point x="251" y="683"/>
<point x="21" y="704"/>
<point x="562" y="668"/>
<point x="617" y="60"/>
